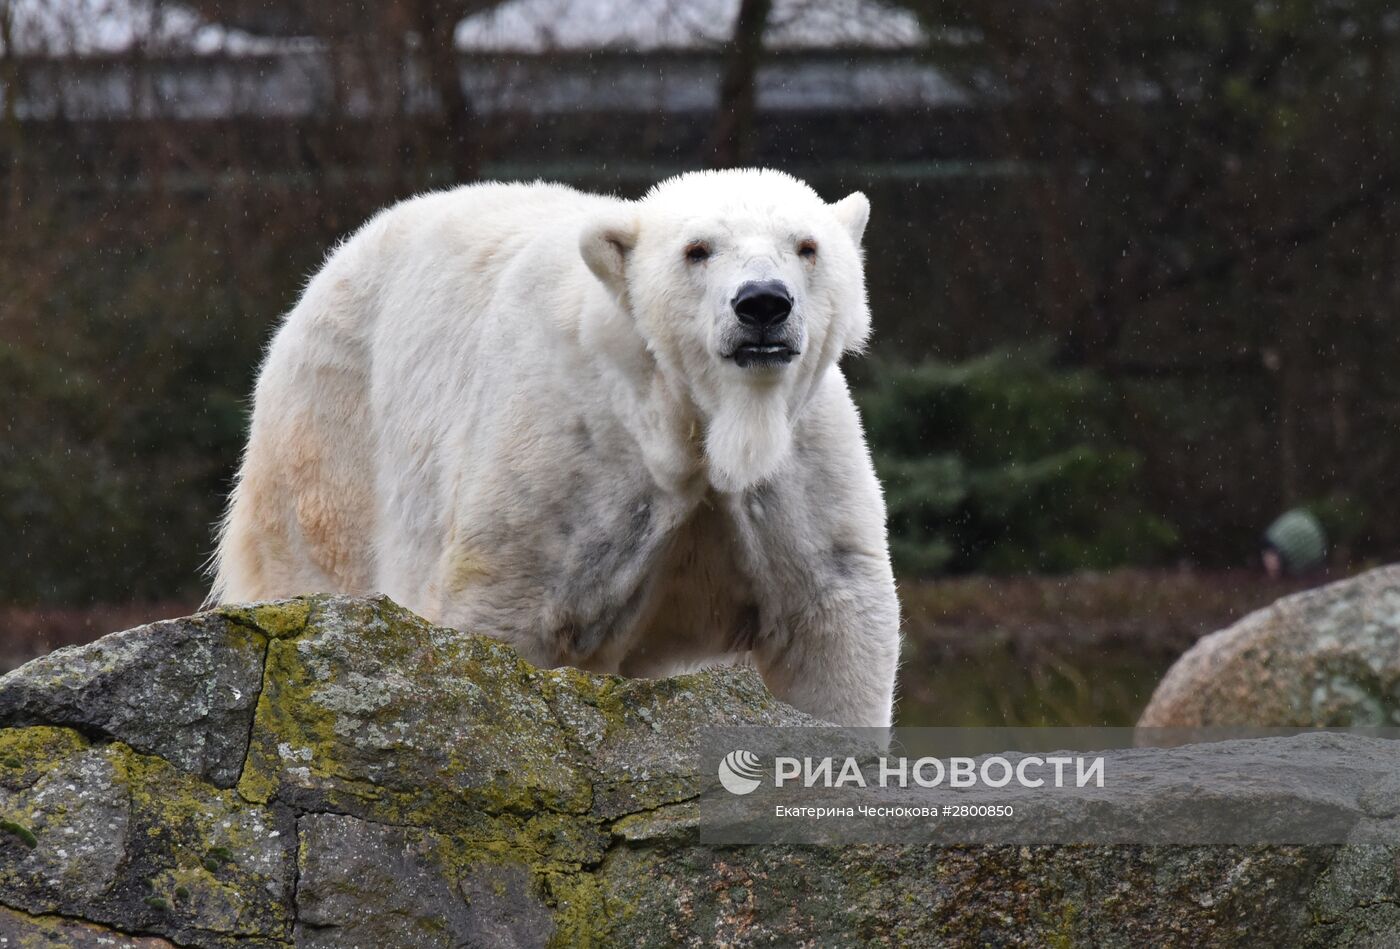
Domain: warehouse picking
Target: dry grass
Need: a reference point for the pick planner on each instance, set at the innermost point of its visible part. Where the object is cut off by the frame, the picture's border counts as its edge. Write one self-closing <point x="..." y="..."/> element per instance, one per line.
<point x="1081" y="649"/>
<point x="1156" y="609"/>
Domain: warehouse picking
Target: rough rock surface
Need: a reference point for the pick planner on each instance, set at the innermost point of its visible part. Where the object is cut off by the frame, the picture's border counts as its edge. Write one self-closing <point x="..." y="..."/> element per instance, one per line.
<point x="209" y="671"/>
<point x="337" y="772"/>
<point x="1329" y="656"/>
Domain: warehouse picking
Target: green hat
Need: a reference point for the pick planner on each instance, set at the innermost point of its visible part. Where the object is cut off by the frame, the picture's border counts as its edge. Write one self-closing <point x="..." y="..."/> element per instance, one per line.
<point x="1299" y="540"/>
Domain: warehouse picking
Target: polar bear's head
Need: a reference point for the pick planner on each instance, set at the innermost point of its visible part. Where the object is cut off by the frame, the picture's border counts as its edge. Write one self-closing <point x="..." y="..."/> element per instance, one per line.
<point x="745" y="287"/>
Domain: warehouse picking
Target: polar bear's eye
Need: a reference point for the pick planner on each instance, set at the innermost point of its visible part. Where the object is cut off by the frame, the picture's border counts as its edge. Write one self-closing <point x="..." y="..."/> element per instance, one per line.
<point x="697" y="251"/>
<point x="807" y="249"/>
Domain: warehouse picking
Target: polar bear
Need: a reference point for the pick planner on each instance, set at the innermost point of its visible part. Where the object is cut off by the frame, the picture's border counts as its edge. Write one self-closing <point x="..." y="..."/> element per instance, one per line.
<point x="611" y="433"/>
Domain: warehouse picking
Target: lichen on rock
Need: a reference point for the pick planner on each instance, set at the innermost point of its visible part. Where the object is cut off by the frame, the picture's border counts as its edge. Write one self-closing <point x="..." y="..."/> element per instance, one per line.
<point x="334" y="771"/>
<point x="120" y="839"/>
<point x="182" y="689"/>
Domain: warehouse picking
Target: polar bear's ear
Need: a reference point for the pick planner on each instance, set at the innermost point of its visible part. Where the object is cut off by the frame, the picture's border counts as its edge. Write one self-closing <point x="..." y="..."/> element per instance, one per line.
<point x="605" y="244"/>
<point x="853" y="211"/>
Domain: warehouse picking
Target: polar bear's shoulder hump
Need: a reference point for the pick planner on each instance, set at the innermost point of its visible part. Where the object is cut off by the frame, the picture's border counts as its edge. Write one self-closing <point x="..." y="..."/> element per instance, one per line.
<point x="527" y="202"/>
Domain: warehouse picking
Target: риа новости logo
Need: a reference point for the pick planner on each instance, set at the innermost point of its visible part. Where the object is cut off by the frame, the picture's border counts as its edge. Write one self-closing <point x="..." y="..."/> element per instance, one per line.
<point x="739" y="772"/>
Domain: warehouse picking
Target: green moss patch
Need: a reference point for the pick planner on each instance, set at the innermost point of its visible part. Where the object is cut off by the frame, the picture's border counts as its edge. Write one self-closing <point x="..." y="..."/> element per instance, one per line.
<point x="25" y="835"/>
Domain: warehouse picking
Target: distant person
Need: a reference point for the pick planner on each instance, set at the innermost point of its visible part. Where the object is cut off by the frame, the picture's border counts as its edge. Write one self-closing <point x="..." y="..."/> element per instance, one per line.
<point x="1294" y="544"/>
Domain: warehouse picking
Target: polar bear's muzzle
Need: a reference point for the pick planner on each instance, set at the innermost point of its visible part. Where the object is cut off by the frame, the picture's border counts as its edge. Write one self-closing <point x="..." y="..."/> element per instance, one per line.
<point x="762" y="308"/>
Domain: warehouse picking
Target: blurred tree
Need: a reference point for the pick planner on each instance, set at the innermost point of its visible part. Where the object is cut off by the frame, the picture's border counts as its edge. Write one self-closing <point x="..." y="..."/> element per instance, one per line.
<point x="1006" y="464"/>
<point x="385" y="46"/>
<point x="731" y="139"/>
<point x="1209" y="141"/>
<point x="1211" y="193"/>
<point x="11" y="133"/>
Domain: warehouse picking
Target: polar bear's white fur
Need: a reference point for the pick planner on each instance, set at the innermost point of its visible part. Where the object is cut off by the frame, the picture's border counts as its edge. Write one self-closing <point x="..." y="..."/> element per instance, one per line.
<point x="522" y="410"/>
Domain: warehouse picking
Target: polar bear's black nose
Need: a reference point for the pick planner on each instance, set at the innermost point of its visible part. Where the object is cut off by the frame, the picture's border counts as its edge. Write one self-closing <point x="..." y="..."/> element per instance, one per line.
<point x="762" y="303"/>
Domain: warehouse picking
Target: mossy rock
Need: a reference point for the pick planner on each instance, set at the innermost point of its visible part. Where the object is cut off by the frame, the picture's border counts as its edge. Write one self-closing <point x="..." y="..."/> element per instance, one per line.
<point x="336" y="771"/>
<point x="1325" y="657"/>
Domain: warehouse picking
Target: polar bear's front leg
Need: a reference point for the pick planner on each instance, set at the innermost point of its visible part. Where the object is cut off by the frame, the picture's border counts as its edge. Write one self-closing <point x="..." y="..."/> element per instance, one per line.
<point x="835" y="655"/>
<point x="813" y="542"/>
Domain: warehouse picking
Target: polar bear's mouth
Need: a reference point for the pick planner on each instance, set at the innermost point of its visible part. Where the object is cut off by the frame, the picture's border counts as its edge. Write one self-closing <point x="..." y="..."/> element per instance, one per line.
<point x="763" y="354"/>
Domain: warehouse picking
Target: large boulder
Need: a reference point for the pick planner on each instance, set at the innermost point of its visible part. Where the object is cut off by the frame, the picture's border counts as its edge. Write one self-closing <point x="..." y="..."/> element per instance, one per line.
<point x="338" y="772"/>
<point x="1326" y="657"/>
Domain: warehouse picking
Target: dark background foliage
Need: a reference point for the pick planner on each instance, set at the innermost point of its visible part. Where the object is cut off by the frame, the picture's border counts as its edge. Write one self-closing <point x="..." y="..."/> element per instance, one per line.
<point x="1005" y="464"/>
<point x="1135" y="283"/>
